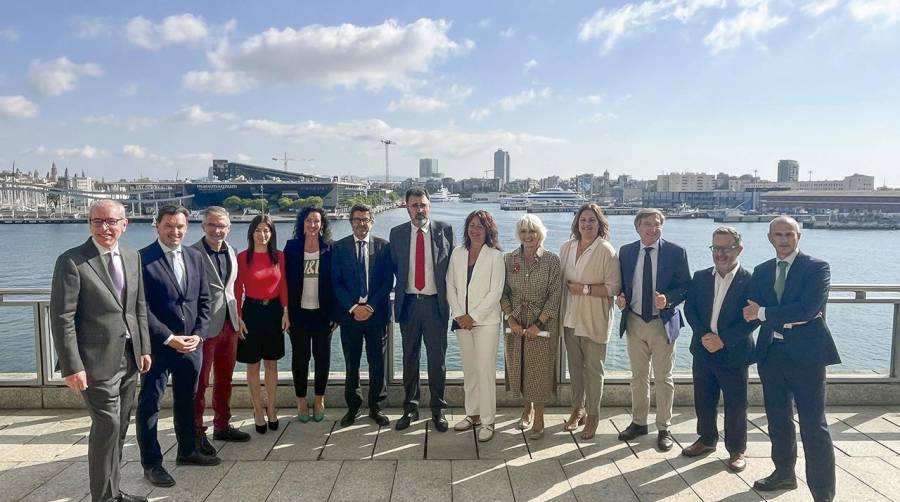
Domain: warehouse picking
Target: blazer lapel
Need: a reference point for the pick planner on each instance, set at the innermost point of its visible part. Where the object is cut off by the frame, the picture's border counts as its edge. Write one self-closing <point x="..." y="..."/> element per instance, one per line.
<point x="132" y="269"/>
<point x="736" y="285"/>
<point x="167" y="266"/>
<point x="210" y="269"/>
<point x="95" y="260"/>
<point x="794" y="276"/>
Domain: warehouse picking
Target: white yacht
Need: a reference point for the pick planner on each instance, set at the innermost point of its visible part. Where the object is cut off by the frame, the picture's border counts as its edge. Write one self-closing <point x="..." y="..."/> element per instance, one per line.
<point x="443" y="195"/>
<point x="551" y="200"/>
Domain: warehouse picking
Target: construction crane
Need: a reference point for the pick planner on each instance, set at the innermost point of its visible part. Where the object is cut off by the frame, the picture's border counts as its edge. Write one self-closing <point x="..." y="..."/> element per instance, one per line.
<point x="387" y="168"/>
<point x="487" y="172"/>
<point x="284" y="159"/>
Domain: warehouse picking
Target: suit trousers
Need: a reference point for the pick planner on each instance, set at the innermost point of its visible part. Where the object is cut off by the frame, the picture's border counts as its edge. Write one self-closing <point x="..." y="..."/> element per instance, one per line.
<point x="219" y="355"/>
<point x="587" y="368"/>
<point x="374" y="335"/>
<point x="423" y="323"/>
<point x="648" y="346"/>
<point x="185" y="371"/>
<point x="311" y="337"/>
<point x="478" y="350"/>
<point x="109" y="403"/>
<point x="785" y="379"/>
<point x="709" y="380"/>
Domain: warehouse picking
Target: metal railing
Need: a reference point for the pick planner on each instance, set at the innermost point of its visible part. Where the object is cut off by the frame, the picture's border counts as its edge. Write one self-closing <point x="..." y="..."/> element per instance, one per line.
<point x="37" y="299"/>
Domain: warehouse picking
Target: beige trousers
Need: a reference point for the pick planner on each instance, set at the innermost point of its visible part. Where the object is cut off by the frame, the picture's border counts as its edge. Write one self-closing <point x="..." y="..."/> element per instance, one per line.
<point x="587" y="360"/>
<point x="648" y="346"/>
<point x="478" y="351"/>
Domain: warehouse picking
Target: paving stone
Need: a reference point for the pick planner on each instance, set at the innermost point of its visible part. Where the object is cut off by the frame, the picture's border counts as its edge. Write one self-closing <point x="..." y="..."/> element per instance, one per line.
<point x="411" y="484"/>
<point x="848" y="486"/>
<point x="407" y="444"/>
<point x="597" y="478"/>
<point x="257" y="448"/>
<point x="645" y="446"/>
<point x="249" y="480"/>
<point x="508" y="443"/>
<point x="369" y="480"/>
<point x="69" y="484"/>
<point x="21" y="478"/>
<point x="305" y="477"/>
<point x="356" y="442"/>
<point x="875" y="426"/>
<point x="853" y="442"/>
<point x="480" y="480"/>
<point x="875" y="472"/>
<point x="605" y="443"/>
<point x="450" y="445"/>
<point x="191" y="482"/>
<point x="540" y="480"/>
<point x="298" y="441"/>
<point x="711" y="479"/>
<point x="131" y="479"/>
<point x="655" y="479"/>
<point x="758" y="468"/>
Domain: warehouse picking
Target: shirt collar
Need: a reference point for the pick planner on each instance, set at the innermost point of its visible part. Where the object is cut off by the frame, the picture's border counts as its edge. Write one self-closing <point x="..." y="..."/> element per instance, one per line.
<point x="789" y="258"/>
<point x="730" y="273"/>
<point x="655" y="245"/>
<point x="167" y="249"/>
<point x="104" y="250"/>
<point x="366" y="240"/>
<point x="539" y="253"/>
<point x="209" y="249"/>
<point x="424" y="228"/>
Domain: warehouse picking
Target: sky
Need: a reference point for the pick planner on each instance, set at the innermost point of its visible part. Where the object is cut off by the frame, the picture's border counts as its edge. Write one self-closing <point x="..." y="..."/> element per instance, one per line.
<point x="159" y="89"/>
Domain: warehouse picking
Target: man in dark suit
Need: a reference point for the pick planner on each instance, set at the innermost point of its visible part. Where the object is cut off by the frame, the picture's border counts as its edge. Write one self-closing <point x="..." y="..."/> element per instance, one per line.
<point x="420" y="251"/>
<point x="787" y="296"/>
<point x="177" y="293"/>
<point x="99" y="322"/>
<point x="655" y="279"/>
<point x="362" y="277"/>
<point x="722" y="346"/>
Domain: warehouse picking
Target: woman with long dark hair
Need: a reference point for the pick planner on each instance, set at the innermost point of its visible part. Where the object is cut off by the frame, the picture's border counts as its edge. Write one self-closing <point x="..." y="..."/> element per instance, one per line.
<point x="308" y="266"/>
<point x="261" y="293"/>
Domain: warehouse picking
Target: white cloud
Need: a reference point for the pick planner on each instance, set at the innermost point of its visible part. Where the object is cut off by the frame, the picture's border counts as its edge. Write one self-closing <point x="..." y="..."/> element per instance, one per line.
<point x="508" y="33"/>
<point x="443" y="142"/>
<point x="135" y="151"/>
<point x="179" y="29"/>
<point x="885" y="12"/>
<point x="130" y="123"/>
<point x="485" y="23"/>
<point x="816" y="8"/>
<point x="9" y="35"/>
<point x="531" y="63"/>
<point x="389" y="54"/>
<point x="511" y="103"/>
<point x="457" y="93"/>
<point x="415" y="103"/>
<point x="85" y="152"/>
<point x="92" y="27"/>
<point x="130" y="89"/>
<point x="17" y="107"/>
<point x="56" y="76"/>
<point x="750" y="22"/>
<point x="242" y="157"/>
<point x="196" y="157"/>
<point x="480" y="114"/>
<point x="196" y="115"/>
<point x="592" y="99"/>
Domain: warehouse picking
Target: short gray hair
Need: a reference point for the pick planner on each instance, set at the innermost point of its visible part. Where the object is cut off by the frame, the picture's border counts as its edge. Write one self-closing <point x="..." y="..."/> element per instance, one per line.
<point x="785" y="219"/>
<point x="217" y="210"/>
<point x="648" y="212"/>
<point x="724" y="230"/>
<point x="532" y="222"/>
<point x="98" y="203"/>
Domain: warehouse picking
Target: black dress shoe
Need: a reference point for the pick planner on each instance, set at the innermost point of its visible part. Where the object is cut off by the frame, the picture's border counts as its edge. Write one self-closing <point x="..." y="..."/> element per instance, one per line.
<point x="127" y="497"/>
<point x="665" y="441"/>
<point x="379" y="418"/>
<point x="198" y="458"/>
<point x="775" y="481"/>
<point x="203" y="445"/>
<point x="231" y="434"/>
<point x="632" y="431"/>
<point x="440" y="423"/>
<point x="158" y="476"/>
<point x="406" y="419"/>
<point x="349" y="418"/>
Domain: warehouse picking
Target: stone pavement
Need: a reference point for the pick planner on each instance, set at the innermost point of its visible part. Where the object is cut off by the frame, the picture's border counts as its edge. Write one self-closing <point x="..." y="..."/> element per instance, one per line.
<point x="43" y="458"/>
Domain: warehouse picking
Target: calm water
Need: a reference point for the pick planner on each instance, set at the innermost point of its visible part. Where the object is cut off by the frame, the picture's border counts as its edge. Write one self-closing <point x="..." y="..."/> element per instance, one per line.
<point x="862" y="332"/>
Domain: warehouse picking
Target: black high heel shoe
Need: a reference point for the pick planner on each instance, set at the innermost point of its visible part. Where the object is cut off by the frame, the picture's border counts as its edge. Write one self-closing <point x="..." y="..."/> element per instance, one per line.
<point x="273" y="425"/>
<point x="260" y="429"/>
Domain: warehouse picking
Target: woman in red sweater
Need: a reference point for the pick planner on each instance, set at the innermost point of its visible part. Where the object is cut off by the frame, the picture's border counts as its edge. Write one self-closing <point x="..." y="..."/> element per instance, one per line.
<point x="261" y="293"/>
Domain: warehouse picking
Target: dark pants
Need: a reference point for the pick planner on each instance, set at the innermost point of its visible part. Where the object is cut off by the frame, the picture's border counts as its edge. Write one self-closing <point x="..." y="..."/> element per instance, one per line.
<point x="785" y="379"/>
<point x="219" y="355"/>
<point x="353" y="334"/>
<point x="109" y="403"/>
<point x="310" y="337"/>
<point x="421" y="321"/>
<point x="185" y="370"/>
<point x="709" y="380"/>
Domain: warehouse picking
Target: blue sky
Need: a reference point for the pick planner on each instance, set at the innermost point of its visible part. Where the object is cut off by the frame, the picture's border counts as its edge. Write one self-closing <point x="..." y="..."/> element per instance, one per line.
<point x="121" y="89"/>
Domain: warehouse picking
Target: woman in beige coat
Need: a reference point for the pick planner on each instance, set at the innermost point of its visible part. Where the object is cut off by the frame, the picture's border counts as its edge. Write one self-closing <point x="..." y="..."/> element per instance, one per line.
<point x="591" y="280"/>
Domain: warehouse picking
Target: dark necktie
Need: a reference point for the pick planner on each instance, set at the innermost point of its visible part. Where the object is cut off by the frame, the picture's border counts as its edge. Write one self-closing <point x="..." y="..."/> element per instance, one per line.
<point x="361" y="269"/>
<point x="780" y="279"/>
<point x="116" y="274"/>
<point x="647" y="287"/>
<point x="420" y="261"/>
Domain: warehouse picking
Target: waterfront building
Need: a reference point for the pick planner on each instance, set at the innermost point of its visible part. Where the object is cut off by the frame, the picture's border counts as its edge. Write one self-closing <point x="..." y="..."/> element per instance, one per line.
<point x="788" y="171"/>
<point x="685" y="182"/>
<point x="711" y="199"/>
<point x="501" y="166"/>
<point x="852" y="183"/>
<point x="885" y="201"/>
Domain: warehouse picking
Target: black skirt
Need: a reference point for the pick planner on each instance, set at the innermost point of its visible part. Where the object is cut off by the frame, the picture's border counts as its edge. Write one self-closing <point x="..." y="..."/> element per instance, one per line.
<point x="264" y="338"/>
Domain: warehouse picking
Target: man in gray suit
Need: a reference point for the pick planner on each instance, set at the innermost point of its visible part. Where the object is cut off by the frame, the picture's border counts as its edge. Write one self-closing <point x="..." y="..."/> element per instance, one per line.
<point x="420" y="251"/>
<point x="99" y="322"/>
<point x="220" y="348"/>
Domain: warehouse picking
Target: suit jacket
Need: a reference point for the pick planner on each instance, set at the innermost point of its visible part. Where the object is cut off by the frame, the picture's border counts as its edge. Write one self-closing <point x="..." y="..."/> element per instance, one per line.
<point x="88" y="319"/>
<point x="735" y="332"/>
<point x="441" y="246"/>
<point x="169" y="310"/>
<point x="673" y="277"/>
<point x="346" y="281"/>
<point x="293" y="269"/>
<point x="803" y="300"/>
<point x="221" y="295"/>
<point x="484" y="290"/>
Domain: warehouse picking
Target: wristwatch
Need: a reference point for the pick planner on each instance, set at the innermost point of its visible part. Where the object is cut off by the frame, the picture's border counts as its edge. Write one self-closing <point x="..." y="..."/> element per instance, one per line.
<point x="506" y="317"/>
<point x="586" y="289"/>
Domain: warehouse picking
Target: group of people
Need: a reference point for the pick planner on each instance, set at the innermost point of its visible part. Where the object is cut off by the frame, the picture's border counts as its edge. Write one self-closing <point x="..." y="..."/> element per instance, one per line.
<point x="192" y="311"/>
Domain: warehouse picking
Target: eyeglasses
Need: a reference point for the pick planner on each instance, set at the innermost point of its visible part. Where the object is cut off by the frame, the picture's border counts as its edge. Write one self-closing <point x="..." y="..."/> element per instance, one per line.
<point x="109" y="222"/>
<point x="724" y="249"/>
<point x="217" y="227"/>
<point x="361" y="220"/>
<point x="419" y="205"/>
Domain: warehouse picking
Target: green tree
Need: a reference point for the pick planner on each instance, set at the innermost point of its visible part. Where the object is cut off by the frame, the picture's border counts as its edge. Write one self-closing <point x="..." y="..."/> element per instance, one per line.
<point x="285" y="203"/>
<point x="314" y="201"/>
<point x="232" y="202"/>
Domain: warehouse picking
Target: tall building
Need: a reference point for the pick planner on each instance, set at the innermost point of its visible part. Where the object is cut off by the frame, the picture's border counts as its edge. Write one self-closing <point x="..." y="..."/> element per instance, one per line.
<point x="501" y="166"/>
<point x="685" y="182"/>
<point x="428" y="168"/>
<point x="788" y="171"/>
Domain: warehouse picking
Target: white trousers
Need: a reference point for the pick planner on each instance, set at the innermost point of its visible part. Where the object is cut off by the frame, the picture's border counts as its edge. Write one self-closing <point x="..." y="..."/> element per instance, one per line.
<point x="478" y="350"/>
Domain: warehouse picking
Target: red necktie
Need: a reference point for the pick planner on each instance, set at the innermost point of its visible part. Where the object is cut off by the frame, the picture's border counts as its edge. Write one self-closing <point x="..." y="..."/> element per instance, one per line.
<point x="420" y="260"/>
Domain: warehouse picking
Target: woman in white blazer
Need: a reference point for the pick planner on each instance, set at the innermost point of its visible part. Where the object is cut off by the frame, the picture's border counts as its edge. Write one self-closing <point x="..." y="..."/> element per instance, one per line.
<point x="475" y="279"/>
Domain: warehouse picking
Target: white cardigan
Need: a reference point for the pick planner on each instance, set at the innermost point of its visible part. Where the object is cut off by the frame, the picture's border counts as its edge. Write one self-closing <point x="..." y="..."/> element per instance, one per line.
<point x="484" y="289"/>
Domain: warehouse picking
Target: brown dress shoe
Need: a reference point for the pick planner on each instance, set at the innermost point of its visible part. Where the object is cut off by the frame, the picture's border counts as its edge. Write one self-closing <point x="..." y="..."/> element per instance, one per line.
<point x="697" y="449"/>
<point x="737" y="462"/>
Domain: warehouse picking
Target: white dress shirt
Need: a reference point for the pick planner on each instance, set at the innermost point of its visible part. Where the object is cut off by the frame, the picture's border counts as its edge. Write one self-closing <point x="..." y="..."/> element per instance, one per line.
<point x="721" y="289"/>
<point x="177" y="262"/>
<point x="637" y="279"/>
<point x="430" y="286"/>
<point x="116" y="256"/>
<point x="368" y="241"/>
<point x="790" y="261"/>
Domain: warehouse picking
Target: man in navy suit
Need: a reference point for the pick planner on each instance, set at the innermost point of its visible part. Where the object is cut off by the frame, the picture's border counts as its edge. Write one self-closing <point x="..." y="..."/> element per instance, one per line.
<point x="787" y="296"/>
<point x="655" y="279"/>
<point x="722" y="346"/>
<point x="178" y="311"/>
<point x="362" y="277"/>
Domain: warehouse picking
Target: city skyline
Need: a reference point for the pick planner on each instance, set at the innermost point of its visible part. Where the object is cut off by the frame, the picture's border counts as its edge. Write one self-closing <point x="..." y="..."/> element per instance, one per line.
<point x="637" y="88"/>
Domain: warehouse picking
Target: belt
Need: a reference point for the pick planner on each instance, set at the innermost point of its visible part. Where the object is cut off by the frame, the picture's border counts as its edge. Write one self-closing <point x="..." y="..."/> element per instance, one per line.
<point x="419" y="296"/>
<point x="262" y="302"/>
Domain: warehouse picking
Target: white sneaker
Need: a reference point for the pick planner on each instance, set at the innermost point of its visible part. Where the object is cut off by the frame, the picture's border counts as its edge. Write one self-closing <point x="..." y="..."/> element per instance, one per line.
<point x="486" y="433"/>
<point x="465" y="424"/>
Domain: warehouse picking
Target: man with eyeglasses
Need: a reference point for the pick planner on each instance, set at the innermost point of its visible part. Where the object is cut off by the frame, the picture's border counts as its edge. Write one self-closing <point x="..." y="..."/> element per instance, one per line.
<point x="362" y="278"/>
<point x="722" y="347"/>
<point x="101" y="336"/>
